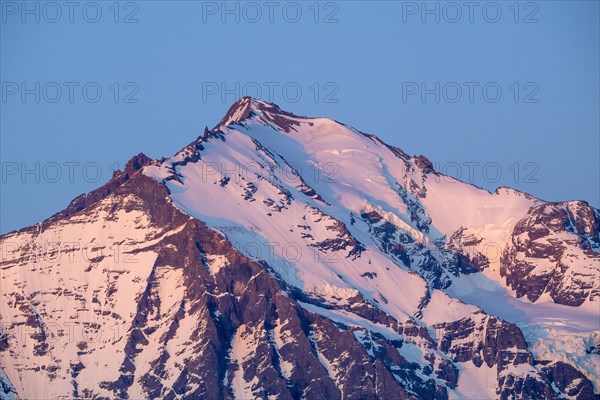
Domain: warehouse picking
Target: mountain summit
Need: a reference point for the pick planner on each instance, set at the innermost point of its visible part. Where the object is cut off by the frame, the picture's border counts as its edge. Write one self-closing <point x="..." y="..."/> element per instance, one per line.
<point x="248" y="107"/>
<point x="280" y="256"/>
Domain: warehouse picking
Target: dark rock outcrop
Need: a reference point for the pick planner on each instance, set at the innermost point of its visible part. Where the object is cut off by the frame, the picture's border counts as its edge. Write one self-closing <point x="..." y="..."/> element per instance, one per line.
<point x="540" y="256"/>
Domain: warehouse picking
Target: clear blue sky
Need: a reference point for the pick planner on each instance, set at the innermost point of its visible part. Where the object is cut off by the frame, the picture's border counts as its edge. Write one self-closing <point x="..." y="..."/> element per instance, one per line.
<point x="371" y="61"/>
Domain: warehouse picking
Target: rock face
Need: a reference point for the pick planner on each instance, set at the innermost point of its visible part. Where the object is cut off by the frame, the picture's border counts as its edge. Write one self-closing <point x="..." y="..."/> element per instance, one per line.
<point x="554" y="250"/>
<point x="280" y="256"/>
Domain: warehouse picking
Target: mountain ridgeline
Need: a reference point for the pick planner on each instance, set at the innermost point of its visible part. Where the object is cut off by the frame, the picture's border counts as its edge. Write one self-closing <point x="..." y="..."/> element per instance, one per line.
<point x="281" y="256"/>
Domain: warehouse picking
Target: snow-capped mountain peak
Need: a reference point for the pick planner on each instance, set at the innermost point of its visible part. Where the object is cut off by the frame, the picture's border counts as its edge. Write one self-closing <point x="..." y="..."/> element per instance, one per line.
<point x="296" y="257"/>
<point x="251" y="108"/>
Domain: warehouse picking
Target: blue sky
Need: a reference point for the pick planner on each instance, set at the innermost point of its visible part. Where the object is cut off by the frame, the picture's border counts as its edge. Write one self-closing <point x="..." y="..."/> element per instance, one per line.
<point x="497" y="95"/>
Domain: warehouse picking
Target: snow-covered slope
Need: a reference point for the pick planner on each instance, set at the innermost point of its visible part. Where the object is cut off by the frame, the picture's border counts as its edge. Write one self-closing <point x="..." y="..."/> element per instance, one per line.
<point x="298" y="257"/>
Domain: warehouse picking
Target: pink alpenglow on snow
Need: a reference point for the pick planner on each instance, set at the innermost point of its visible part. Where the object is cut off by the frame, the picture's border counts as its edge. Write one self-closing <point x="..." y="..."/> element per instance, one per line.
<point x="282" y="256"/>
